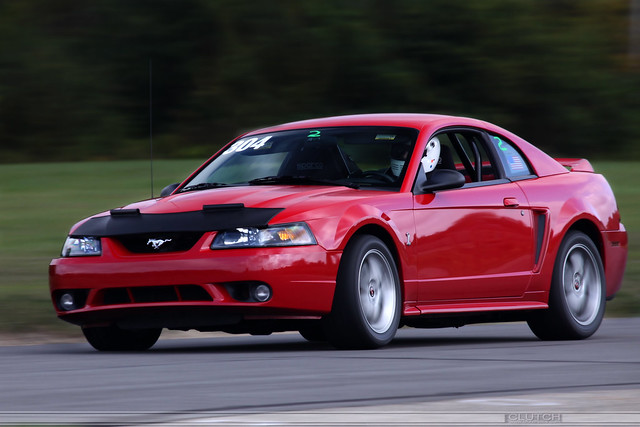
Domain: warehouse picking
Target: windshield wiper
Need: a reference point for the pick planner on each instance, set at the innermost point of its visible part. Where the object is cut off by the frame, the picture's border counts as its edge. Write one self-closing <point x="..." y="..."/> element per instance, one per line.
<point x="289" y="179"/>
<point x="272" y="179"/>
<point x="203" y="186"/>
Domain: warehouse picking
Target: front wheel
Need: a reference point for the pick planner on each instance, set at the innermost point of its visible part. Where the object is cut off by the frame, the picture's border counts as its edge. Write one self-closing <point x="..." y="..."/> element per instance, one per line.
<point x="112" y="338"/>
<point x="577" y="293"/>
<point x="313" y="332"/>
<point x="367" y="300"/>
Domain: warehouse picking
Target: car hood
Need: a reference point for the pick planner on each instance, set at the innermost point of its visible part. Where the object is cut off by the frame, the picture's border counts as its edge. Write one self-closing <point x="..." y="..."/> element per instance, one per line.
<point x="331" y="212"/>
<point x="294" y="200"/>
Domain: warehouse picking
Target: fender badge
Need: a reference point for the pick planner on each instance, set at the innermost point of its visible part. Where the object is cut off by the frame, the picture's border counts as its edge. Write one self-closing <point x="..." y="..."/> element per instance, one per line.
<point x="156" y="243"/>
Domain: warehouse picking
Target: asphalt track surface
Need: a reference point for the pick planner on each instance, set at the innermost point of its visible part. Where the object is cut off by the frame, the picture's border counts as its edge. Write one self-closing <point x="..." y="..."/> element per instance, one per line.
<point x="497" y="374"/>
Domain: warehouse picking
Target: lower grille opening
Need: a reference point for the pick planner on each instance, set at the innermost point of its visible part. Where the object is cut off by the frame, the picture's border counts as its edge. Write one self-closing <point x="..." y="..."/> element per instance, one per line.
<point x="116" y="296"/>
<point x="193" y="293"/>
<point x="153" y="294"/>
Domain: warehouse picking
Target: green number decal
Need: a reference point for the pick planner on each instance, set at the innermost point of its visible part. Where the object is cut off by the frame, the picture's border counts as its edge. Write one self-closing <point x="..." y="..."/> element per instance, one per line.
<point x="500" y="142"/>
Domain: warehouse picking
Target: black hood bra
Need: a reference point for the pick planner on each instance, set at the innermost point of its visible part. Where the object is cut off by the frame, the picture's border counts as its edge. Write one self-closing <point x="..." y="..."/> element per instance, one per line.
<point x="122" y="222"/>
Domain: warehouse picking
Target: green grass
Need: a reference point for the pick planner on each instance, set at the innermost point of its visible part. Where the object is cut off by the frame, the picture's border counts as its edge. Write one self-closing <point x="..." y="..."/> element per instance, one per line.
<point x="40" y="202"/>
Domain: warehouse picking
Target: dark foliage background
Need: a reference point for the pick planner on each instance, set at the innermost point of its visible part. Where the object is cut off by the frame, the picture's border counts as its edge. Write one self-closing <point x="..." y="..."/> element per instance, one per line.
<point x="74" y="74"/>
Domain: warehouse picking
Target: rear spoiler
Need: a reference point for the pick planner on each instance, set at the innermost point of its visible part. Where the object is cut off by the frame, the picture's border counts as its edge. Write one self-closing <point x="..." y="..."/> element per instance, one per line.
<point x="576" y="165"/>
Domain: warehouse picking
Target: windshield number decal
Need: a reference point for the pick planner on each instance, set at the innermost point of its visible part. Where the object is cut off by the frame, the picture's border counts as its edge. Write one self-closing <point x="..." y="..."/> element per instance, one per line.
<point x="246" y="143"/>
<point x="314" y="134"/>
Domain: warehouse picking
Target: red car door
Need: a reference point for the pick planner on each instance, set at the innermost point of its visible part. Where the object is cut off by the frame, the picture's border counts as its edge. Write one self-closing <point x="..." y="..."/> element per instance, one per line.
<point x="474" y="242"/>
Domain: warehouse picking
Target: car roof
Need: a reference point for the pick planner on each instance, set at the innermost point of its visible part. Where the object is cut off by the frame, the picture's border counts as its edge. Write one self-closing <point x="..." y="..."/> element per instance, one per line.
<point x="414" y="120"/>
<point x="542" y="163"/>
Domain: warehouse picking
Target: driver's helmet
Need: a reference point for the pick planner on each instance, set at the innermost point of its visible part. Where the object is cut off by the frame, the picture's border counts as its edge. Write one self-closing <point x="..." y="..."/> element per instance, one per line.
<point x="399" y="154"/>
<point x="431" y="155"/>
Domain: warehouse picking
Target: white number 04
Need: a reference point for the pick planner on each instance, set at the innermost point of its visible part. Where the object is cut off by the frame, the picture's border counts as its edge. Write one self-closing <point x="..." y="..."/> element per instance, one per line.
<point x="245" y="144"/>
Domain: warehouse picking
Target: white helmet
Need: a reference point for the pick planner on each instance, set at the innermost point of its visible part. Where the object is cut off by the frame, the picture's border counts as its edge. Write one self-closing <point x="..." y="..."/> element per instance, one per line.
<point x="431" y="155"/>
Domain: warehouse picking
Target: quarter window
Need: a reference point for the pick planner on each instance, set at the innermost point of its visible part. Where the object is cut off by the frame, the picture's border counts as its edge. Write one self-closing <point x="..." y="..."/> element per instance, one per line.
<point x="514" y="163"/>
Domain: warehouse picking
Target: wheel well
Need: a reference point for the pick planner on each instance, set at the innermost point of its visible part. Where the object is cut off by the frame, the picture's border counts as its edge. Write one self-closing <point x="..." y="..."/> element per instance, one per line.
<point x="590" y="229"/>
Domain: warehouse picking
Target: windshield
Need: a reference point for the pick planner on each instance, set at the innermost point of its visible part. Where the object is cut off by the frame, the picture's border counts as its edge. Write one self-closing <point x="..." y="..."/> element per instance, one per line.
<point x="349" y="156"/>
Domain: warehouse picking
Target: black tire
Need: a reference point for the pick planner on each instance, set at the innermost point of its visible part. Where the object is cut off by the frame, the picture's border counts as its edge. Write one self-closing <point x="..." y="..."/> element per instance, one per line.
<point x="313" y="333"/>
<point x="367" y="302"/>
<point x="577" y="293"/>
<point x="112" y="338"/>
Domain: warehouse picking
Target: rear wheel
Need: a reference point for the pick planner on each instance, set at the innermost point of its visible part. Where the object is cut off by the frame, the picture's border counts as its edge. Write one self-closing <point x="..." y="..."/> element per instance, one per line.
<point x="577" y="293"/>
<point x="112" y="338"/>
<point x="367" y="301"/>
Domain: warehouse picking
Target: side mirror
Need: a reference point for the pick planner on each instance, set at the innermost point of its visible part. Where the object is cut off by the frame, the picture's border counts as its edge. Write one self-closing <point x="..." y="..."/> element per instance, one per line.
<point x="166" y="191"/>
<point x="443" y="179"/>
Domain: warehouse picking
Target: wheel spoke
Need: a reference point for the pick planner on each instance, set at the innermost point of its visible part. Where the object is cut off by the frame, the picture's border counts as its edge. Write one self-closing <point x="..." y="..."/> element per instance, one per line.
<point x="368" y="310"/>
<point x="577" y="262"/>
<point x="589" y="278"/>
<point x="366" y="272"/>
<point x="375" y="313"/>
<point x="364" y="277"/>
<point x="568" y="281"/>
<point x="376" y="272"/>
<point x="573" y="300"/>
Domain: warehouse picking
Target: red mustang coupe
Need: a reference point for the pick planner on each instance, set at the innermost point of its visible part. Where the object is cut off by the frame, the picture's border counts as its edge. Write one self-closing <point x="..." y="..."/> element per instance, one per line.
<point x="345" y="229"/>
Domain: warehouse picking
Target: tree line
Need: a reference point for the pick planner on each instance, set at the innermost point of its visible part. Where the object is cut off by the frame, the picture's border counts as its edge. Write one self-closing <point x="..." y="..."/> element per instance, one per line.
<point x="77" y="77"/>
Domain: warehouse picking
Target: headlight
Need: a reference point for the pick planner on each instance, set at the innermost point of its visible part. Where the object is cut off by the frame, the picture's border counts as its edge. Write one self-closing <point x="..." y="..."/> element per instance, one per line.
<point x="278" y="235"/>
<point x="82" y="246"/>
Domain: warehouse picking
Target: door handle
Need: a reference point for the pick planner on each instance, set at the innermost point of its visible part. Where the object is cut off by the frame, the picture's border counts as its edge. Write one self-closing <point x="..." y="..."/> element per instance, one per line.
<point x="511" y="202"/>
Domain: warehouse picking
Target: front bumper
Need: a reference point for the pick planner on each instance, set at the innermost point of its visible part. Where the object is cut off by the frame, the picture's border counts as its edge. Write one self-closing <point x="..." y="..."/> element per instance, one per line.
<point x="199" y="288"/>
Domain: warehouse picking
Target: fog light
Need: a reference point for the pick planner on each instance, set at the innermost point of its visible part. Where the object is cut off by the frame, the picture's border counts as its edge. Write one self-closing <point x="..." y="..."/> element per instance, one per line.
<point x="261" y="293"/>
<point x="67" y="302"/>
